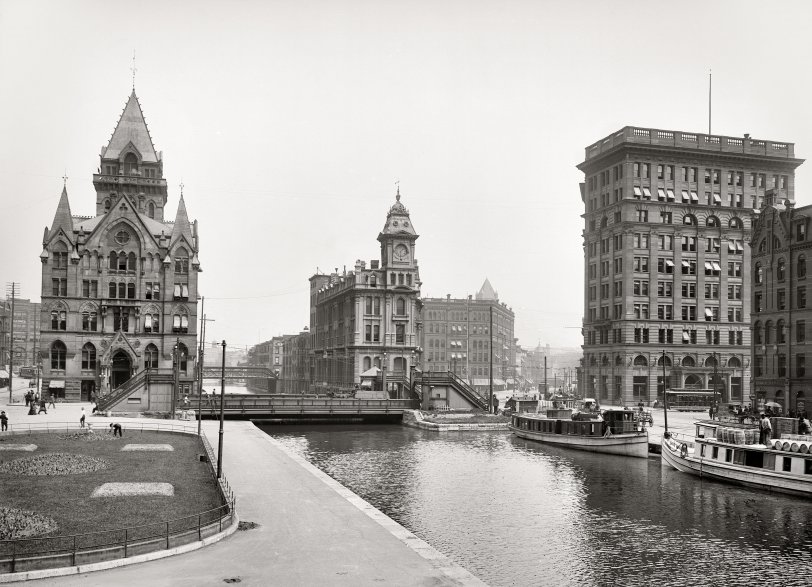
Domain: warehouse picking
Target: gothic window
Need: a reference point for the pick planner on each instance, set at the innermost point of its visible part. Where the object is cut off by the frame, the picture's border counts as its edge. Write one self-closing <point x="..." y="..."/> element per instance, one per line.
<point x="58" y="320"/>
<point x="131" y="291"/>
<point x="180" y="323"/>
<point x="780" y="270"/>
<point x="130" y="164"/>
<point x="181" y="261"/>
<point x="107" y="205"/>
<point x="89" y="321"/>
<point x="151" y="357"/>
<point x="60" y="256"/>
<point x="152" y="323"/>
<point x="58" y="354"/>
<point x="113" y="263"/>
<point x="122" y="290"/>
<point x="182" y="357"/>
<point x="151" y="210"/>
<point x="111" y="293"/>
<point x="88" y="357"/>
<point x="801" y="271"/>
<point x="367" y="363"/>
<point x="131" y="262"/>
<point x="121" y="319"/>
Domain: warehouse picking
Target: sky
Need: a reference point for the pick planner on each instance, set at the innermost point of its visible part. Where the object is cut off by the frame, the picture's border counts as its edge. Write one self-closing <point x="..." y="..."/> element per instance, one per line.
<point x="290" y="123"/>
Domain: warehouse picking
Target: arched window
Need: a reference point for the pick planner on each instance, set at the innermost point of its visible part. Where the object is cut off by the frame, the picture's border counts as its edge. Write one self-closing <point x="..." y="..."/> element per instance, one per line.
<point x="60" y="255"/>
<point x="712" y="221"/>
<point x="780" y="270"/>
<point x="59" y="320"/>
<point x="151" y="210"/>
<point x="182" y="357"/>
<point x="640" y="361"/>
<point x="688" y="362"/>
<point x="710" y="361"/>
<point x="151" y="357"/>
<point x="122" y="290"/>
<point x="689" y="219"/>
<point x="693" y="381"/>
<point x="107" y="205"/>
<point x="759" y="273"/>
<point x="113" y="264"/>
<point x="367" y="363"/>
<point x="58" y="353"/>
<point x="768" y="326"/>
<point x="762" y="246"/>
<point x="592" y="361"/>
<point x="618" y="360"/>
<point x="111" y="289"/>
<point x="734" y="362"/>
<point x="400" y="308"/>
<point x="664" y="360"/>
<point x="605" y="361"/>
<point x="89" y="320"/>
<point x="180" y="323"/>
<point x="88" y="357"/>
<point x="801" y="270"/>
<point x="776" y="243"/>
<point x="152" y="322"/>
<point x="181" y="261"/>
<point x="780" y="334"/>
<point x="131" y="262"/>
<point x="130" y="164"/>
<point x="131" y="291"/>
<point x="757" y="338"/>
<point x="735" y="222"/>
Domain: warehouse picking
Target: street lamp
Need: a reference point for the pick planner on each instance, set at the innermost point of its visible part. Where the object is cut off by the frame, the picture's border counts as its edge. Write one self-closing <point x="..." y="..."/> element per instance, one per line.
<point x="177" y="355"/>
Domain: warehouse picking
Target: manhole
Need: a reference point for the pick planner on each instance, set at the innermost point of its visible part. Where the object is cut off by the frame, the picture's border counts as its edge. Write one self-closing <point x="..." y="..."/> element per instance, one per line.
<point x="247" y="525"/>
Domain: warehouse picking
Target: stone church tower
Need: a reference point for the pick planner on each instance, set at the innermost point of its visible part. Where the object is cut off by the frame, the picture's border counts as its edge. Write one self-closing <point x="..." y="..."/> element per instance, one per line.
<point x="119" y="289"/>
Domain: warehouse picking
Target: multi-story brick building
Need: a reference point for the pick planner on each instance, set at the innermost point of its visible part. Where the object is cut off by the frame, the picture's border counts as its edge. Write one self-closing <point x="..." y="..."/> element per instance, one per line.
<point x="666" y="261"/>
<point x="119" y="289"/>
<point x="369" y="317"/>
<point x="457" y="337"/>
<point x="26" y="333"/>
<point x="296" y="363"/>
<point x="782" y="251"/>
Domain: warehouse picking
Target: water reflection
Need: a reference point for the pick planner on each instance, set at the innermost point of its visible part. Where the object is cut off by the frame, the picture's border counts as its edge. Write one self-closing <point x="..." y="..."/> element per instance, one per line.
<point x="515" y="512"/>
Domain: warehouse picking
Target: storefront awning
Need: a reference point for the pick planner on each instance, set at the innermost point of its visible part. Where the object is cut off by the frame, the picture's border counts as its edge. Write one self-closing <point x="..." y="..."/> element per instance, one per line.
<point x="57" y="384"/>
<point x="3" y="374"/>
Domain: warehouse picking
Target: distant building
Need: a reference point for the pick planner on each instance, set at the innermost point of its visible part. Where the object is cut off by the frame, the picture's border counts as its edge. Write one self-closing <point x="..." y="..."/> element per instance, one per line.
<point x="296" y="363"/>
<point x="369" y="318"/>
<point x="457" y="337"/>
<point x="119" y="289"/>
<point x="782" y="257"/>
<point x="26" y="333"/>
<point x="667" y="218"/>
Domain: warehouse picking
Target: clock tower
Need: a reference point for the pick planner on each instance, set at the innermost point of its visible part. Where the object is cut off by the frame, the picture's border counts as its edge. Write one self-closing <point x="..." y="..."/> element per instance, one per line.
<point x="398" y="239"/>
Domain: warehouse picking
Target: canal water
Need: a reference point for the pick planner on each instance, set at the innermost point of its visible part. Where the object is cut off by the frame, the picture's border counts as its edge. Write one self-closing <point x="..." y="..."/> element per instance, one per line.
<point x="514" y="512"/>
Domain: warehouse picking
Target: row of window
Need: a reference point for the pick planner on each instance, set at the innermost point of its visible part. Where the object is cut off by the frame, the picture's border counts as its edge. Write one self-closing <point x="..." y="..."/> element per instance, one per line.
<point x="664" y="336"/>
<point x="780" y="299"/>
<point x="781" y="270"/>
<point x="665" y="242"/>
<point x="777" y="365"/>
<point x="732" y="200"/>
<point x="665" y="361"/>
<point x="121" y="321"/>
<point x="58" y="356"/>
<point x="764" y="335"/>
<point x="120" y="290"/>
<point x="667" y="217"/>
<point x="372" y="333"/>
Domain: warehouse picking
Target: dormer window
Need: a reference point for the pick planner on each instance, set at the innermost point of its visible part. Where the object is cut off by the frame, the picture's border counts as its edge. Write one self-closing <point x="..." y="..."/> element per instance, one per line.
<point x="130" y="164"/>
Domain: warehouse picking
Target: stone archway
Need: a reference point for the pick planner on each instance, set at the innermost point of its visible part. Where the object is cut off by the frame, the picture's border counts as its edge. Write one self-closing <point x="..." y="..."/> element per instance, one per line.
<point x="120" y="369"/>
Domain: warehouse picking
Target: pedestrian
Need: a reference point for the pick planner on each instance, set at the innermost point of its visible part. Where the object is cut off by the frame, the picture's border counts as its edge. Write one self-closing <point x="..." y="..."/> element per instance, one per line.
<point x="42" y="407"/>
<point x="116" y="428"/>
<point x="185" y="402"/>
<point x="3" y="421"/>
<point x="95" y="408"/>
<point x="82" y="419"/>
<point x="32" y="408"/>
<point x="51" y="401"/>
<point x="765" y="428"/>
<point x="28" y="395"/>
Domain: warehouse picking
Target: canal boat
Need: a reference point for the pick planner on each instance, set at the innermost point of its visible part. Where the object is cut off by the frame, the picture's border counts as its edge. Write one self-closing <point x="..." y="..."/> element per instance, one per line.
<point x="726" y="451"/>
<point x="611" y="431"/>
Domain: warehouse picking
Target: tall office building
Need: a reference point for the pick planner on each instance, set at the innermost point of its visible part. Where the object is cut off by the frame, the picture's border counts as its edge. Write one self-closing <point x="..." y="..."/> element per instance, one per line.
<point x="667" y="221"/>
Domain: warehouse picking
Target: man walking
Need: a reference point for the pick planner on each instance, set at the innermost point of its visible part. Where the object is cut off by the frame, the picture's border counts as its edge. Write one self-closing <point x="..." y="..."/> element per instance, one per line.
<point x="51" y="403"/>
<point x="3" y="421"/>
<point x="82" y="419"/>
<point x="766" y="430"/>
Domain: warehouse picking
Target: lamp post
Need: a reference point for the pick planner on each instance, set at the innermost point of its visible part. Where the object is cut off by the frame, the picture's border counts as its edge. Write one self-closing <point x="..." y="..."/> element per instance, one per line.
<point x="222" y="401"/>
<point x="176" y="382"/>
<point x="383" y="374"/>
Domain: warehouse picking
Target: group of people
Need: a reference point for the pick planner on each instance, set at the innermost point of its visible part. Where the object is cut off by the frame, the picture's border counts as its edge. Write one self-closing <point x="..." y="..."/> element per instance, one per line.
<point x="34" y="401"/>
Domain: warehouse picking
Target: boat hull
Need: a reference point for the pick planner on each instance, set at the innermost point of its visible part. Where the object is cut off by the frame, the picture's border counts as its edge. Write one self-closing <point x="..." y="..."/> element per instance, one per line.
<point x="630" y="445"/>
<point x="737" y="474"/>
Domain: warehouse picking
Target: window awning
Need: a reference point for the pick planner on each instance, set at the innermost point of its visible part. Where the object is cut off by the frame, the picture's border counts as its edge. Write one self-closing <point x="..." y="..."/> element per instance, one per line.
<point x="739" y="246"/>
<point x="56" y="384"/>
<point x="694" y="197"/>
<point x="669" y="262"/>
<point x="661" y="194"/>
<point x="685" y="336"/>
<point x="646" y="193"/>
<point x="717" y="198"/>
<point x="637" y="191"/>
<point x="671" y="196"/>
<point x="708" y="313"/>
<point x="686" y="264"/>
<point x="685" y="196"/>
<point x="731" y="247"/>
<point x="708" y="265"/>
<point x="716" y="266"/>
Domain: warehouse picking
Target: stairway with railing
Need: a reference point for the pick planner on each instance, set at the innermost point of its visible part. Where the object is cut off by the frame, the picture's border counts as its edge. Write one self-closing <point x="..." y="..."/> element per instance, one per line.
<point x="447" y="378"/>
<point x="134" y="383"/>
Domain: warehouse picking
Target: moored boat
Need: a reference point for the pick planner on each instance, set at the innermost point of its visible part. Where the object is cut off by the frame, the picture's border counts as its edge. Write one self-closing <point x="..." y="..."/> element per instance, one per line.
<point x="730" y="452"/>
<point x="611" y="431"/>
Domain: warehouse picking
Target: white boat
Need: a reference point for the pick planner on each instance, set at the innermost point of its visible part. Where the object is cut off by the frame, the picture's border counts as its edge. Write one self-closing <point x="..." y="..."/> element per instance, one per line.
<point x="611" y="431"/>
<point x="730" y="452"/>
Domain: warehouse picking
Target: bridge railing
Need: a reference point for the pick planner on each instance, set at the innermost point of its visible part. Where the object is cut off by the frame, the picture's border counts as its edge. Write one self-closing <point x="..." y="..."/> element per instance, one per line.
<point x="243" y="403"/>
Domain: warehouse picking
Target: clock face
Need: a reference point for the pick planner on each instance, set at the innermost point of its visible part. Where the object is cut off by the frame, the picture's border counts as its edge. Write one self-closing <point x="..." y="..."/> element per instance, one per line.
<point x="401" y="253"/>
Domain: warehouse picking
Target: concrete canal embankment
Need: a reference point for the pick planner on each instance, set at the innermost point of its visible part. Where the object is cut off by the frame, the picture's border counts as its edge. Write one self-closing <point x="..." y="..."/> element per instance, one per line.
<point x="452" y="422"/>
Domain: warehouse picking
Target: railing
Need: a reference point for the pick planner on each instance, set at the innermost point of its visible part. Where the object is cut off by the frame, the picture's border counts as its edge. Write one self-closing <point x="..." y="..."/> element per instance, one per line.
<point x="27" y="554"/>
<point x="273" y="404"/>
<point x="122" y="391"/>
<point x="238" y="373"/>
<point x="448" y="378"/>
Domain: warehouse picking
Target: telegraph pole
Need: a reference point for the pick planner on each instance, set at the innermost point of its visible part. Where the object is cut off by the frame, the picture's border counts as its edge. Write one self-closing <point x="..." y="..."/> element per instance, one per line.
<point x="490" y="366"/>
<point x="222" y="400"/>
<point x="11" y="346"/>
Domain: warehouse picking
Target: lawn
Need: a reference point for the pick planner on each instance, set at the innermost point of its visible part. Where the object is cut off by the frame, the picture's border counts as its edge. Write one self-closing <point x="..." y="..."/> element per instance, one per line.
<point x="66" y="498"/>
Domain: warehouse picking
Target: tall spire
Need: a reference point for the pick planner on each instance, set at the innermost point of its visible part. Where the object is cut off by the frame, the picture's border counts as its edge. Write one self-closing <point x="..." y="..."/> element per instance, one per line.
<point x="62" y="218"/>
<point x="131" y="130"/>
<point x="182" y="228"/>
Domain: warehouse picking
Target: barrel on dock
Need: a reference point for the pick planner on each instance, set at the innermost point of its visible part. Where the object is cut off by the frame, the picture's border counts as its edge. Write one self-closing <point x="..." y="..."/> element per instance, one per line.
<point x="803" y="448"/>
<point x="778" y="444"/>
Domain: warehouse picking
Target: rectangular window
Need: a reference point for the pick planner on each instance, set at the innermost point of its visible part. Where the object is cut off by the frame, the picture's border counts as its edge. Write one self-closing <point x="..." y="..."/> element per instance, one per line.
<point x="734" y="292"/>
<point x="666" y="242"/>
<point x="689" y="290"/>
<point x="665" y="265"/>
<point x="800" y="365"/>
<point x="640" y="287"/>
<point x="782" y="365"/>
<point x="800" y="331"/>
<point x="376" y="333"/>
<point x="711" y="313"/>
<point x="689" y="313"/>
<point x="665" y="289"/>
<point x="800" y="232"/>
<point x="641" y="335"/>
<point x="641" y="264"/>
<point x="711" y="291"/>
<point x="665" y="312"/>
<point x="689" y="267"/>
<point x="801" y="297"/>
<point x="689" y="243"/>
<point x="641" y="240"/>
<point x="713" y="245"/>
<point x="641" y="311"/>
<point x="734" y="269"/>
<point x="368" y="333"/>
<point x="665" y="217"/>
<point x="400" y="330"/>
<point x="642" y="216"/>
<point x="757" y="302"/>
<point x="666" y="335"/>
<point x="59" y="287"/>
<point x="734" y="313"/>
<point x="782" y="299"/>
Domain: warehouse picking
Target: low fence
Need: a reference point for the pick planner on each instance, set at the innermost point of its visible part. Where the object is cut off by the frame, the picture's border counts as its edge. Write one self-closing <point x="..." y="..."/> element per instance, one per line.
<point x="30" y="554"/>
<point x="274" y="404"/>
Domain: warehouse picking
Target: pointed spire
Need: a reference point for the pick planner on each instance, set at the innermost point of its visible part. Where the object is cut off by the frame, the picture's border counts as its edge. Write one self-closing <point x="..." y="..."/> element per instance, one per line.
<point x="131" y="130"/>
<point x="62" y="218"/>
<point x="486" y="292"/>
<point x="182" y="226"/>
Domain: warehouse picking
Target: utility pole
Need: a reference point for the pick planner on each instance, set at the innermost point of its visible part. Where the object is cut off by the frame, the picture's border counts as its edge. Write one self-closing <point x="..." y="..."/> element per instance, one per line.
<point x="222" y="400"/>
<point x="665" y="396"/>
<point x="176" y="373"/>
<point x="545" y="375"/>
<point x="11" y="346"/>
<point x="490" y="366"/>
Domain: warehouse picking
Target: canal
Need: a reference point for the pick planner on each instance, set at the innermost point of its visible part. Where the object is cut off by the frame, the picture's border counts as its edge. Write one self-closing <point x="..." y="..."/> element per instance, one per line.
<point x="514" y="512"/>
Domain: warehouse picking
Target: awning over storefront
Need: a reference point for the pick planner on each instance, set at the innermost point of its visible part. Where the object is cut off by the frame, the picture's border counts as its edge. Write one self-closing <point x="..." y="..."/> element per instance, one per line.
<point x="57" y="384"/>
<point x="3" y="374"/>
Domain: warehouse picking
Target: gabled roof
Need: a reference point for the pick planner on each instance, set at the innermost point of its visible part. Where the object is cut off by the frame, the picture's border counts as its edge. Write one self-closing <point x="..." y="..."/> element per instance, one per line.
<point x="486" y="292"/>
<point x="181" y="227"/>
<point x="131" y="129"/>
<point x="62" y="218"/>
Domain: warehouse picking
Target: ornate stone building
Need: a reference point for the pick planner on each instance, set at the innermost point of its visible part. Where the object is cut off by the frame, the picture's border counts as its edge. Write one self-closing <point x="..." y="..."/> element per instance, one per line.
<point x="119" y="289"/>
<point x="667" y="222"/>
<point x="369" y="318"/>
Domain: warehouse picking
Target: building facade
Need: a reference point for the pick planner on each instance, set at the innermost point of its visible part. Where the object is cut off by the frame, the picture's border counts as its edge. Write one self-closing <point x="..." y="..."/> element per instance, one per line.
<point x="782" y="252"/>
<point x="369" y="317"/>
<point x="296" y="363"/>
<point x="457" y="337"/>
<point x="119" y="288"/>
<point x="25" y="346"/>
<point x="667" y="219"/>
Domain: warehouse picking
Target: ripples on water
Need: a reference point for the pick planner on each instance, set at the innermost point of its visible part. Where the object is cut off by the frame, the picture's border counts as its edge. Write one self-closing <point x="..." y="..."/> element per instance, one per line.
<point x="514" y="512"/>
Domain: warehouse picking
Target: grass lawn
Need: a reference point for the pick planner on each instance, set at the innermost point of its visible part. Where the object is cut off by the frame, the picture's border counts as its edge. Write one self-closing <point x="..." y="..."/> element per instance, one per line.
<point x="66" y="498"/>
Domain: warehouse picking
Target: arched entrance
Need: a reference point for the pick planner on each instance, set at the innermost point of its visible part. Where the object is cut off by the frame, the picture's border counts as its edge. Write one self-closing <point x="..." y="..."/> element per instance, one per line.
<point x="120" y="370"/>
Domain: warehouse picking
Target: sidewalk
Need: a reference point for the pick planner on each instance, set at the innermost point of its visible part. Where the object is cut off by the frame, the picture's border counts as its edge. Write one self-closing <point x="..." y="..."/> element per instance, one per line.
<point x="312" y="531"/>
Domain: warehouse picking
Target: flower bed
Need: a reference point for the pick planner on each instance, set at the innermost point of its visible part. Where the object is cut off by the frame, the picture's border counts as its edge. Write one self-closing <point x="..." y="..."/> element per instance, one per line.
<point x="16" y="523"/>
<point x="55" y="463"/>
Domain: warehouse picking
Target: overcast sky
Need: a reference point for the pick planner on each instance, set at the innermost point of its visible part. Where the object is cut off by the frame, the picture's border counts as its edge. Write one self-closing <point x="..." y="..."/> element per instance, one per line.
<point x="290" y="122"/>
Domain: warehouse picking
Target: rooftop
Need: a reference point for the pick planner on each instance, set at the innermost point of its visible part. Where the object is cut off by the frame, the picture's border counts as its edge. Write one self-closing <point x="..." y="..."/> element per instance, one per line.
<point x="686" y="140"/>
